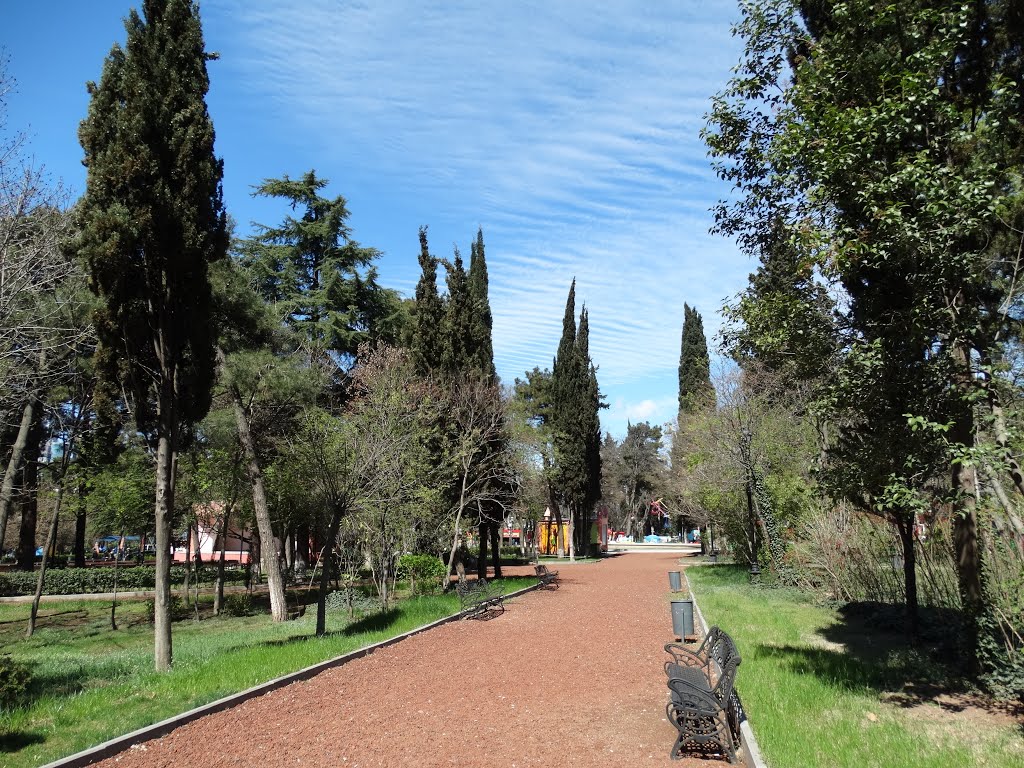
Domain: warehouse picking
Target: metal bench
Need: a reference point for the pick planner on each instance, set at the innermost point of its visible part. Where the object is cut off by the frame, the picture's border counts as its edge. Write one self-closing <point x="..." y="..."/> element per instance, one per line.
<point x="703" y="706"/>
<point x="480" y="598"/>
<point x="548" y="579"/>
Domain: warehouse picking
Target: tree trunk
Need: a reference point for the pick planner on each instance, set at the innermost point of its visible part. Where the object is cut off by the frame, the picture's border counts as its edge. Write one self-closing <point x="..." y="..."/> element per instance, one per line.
<point x="905" y="526"/>
<point x="572" y="534"/>
<point x="51" y="540"/>
<point x="326" y="558"/>
<point x="29" y="417"/>
<point x="302" y="547"/>
<point x="80" y="527"/>
<point x="495" y="529"/>
<point x="289" y="552"/>
<point x="255" y="559"/>
<point x="218" y="590"/>
<point x="484" y="531"/>
<point x="26" y="554"/>
<point x="457" y="536"/>
<point x="269" y="561"/>
<point x="162" y="650"/>
<point x="1001" y="434"/>
<point x="188" y="564"/>
<point x="559" y="538"/>
<point x="1010" y="523"/>
<point x="113" y="600"/>
<point x="965" y="517"/>
<point x="197" y="547"/>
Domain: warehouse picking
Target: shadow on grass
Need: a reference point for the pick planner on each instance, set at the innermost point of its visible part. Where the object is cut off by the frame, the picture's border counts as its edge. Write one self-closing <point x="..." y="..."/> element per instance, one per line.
<point x="18" y="740"/>
<point x="66" y="683"/>
<point x="867" y="649"/>
<point x="375" y="622"/>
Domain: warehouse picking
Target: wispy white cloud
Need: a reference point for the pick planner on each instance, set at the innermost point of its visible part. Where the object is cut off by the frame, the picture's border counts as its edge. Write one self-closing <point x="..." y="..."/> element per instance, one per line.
<point x="569" y="131"/>
<point x="623" y="412"/>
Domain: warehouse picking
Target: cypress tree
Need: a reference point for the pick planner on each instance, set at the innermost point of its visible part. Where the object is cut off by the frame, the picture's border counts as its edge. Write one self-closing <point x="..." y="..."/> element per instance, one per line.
<point x="590" y="431"/>
<point x="575" y="401"/>
<point x="428" y="314"/>
<point x="457" y="353"/>
<point x="483" y="323"/>
<point x="695" y="389"/>
<point x="152" y="219"/>
<point x="567" y="343"/>
<point x="563" y="368"/>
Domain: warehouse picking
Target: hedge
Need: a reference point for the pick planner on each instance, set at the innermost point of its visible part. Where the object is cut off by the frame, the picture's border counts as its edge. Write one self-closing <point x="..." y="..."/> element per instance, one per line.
<point x="77" y="581"/>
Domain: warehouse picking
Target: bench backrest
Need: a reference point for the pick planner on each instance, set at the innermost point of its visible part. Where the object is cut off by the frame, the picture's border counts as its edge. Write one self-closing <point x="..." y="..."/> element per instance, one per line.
<point x="723" y="650"/>
<point x="468" y="587"/>
<point x="726" y="657"/>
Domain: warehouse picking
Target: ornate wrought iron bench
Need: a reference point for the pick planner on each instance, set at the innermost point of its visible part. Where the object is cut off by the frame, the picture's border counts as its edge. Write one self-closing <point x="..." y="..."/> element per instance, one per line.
<point x="703" y="706"/>
<point x="480" y="598"/>
<point x="548" y="579"/>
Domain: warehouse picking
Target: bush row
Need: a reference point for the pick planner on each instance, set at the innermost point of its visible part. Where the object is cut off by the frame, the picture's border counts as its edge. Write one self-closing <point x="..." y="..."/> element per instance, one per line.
<point x="75" y="581"/>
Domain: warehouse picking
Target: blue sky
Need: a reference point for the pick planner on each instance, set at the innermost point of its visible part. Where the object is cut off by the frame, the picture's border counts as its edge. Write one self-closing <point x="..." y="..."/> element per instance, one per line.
<point x="569" y="131"/>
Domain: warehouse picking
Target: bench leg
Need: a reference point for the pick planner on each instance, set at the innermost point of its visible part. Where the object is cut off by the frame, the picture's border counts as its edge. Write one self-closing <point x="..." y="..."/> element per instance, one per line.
<point x="699" y="733"/>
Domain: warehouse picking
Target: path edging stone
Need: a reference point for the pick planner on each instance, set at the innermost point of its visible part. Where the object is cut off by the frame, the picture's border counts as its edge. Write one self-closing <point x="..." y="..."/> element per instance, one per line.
<point x="748" y="744"/>
<point x="162" y="728"/>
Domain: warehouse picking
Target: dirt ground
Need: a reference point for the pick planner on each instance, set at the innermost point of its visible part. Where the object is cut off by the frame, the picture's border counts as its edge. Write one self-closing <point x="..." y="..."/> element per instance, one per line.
<point x="572" y="676"/>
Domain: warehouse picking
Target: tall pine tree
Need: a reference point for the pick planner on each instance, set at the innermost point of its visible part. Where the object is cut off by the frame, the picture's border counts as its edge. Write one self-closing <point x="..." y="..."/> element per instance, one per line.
<point x="322" y="282"/>
<point x="152" y="219"/>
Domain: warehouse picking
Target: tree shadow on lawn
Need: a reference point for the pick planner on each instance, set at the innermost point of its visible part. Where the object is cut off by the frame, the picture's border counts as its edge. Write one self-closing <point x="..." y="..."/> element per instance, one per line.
<point x="375" y="622"/>
<point x="16" y="741"/>
<point x="867" y="649"/>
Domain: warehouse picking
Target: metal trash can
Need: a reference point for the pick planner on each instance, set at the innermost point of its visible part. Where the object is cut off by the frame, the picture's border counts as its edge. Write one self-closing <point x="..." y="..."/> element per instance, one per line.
<point x="682" y="618"/>
<point x="675" y="581"/>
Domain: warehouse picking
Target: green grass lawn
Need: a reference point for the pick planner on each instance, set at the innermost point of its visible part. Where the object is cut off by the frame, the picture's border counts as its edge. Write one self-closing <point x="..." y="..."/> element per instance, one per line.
<point x="91" y="683"/>
<point x="822" y="689"/>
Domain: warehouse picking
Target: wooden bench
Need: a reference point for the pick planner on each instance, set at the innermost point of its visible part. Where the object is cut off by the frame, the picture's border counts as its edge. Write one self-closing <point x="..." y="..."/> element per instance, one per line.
<point x="548" y="579"/>
<point x="703" y="706"/>
<point x="480" y="598"/>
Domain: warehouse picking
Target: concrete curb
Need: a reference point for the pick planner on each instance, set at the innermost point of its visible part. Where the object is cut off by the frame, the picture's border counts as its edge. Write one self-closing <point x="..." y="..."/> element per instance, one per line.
<point x="162" y="728"/>
<point x="748" y="744"/>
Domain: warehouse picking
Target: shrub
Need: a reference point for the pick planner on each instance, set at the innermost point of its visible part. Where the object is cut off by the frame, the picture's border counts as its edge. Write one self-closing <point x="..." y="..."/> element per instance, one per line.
<point x="179" y="610"/>
<point x="74" y="581"/>
<point x="14" y="680"/>
<point x="361" y="602"/>
<point x="238" y="604"/>
<point x="425" y="573"/>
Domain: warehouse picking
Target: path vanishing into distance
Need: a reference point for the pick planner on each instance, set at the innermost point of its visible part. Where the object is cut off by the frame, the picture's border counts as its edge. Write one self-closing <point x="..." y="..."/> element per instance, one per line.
<point x="572" y="676"/>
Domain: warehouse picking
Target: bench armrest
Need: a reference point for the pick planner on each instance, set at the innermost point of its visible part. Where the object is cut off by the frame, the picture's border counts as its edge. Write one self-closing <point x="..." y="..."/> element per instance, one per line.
<point x="683" y="656"/>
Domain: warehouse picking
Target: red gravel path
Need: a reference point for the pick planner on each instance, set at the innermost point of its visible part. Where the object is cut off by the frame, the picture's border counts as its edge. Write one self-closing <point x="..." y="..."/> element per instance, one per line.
<point x="566" y="677"/>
